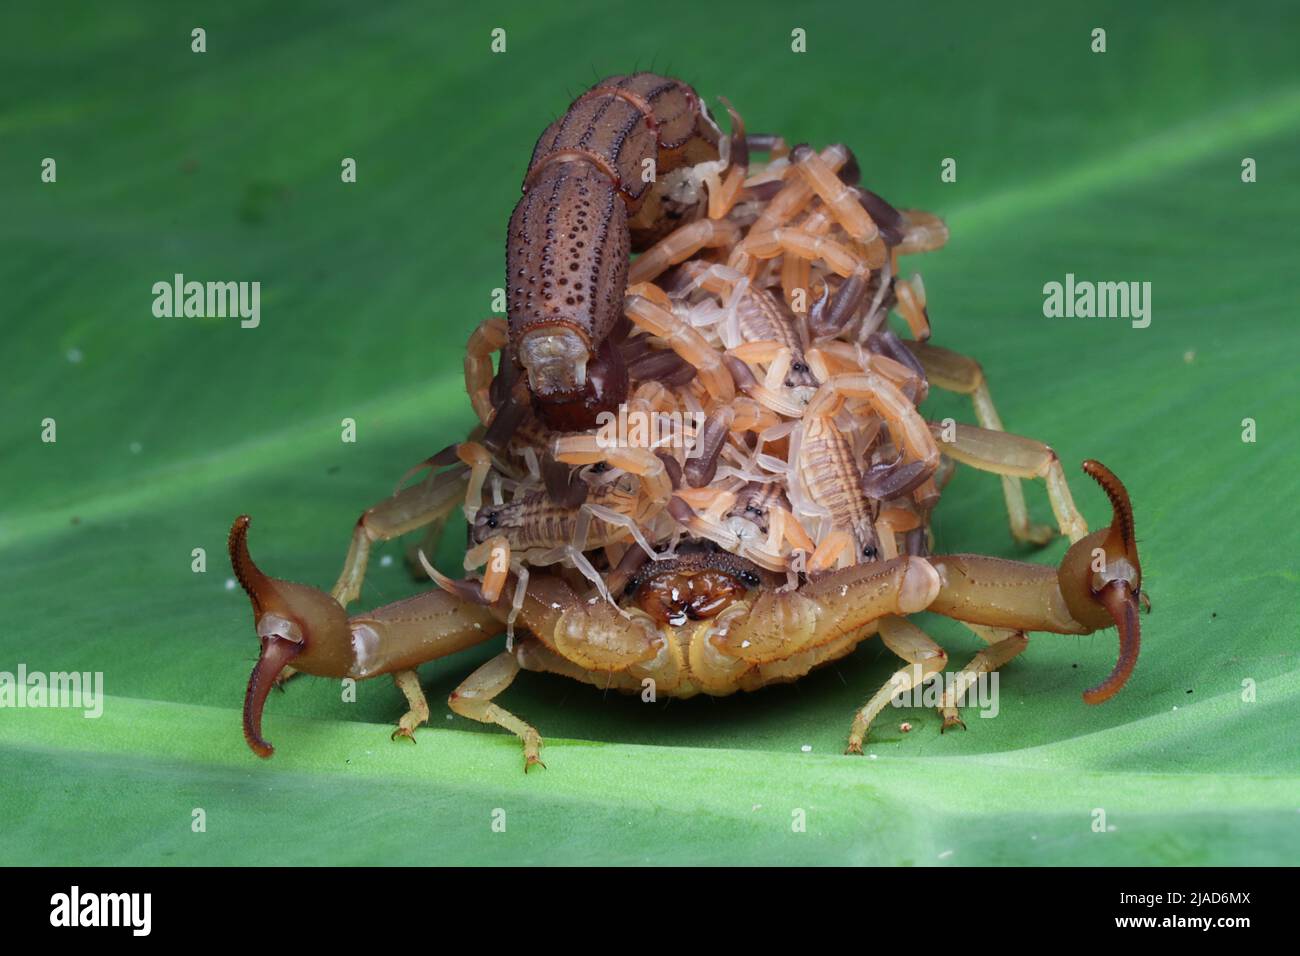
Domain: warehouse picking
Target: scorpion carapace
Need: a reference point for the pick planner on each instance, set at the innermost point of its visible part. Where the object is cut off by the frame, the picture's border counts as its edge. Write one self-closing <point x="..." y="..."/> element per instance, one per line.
<point x="596" y="189"/>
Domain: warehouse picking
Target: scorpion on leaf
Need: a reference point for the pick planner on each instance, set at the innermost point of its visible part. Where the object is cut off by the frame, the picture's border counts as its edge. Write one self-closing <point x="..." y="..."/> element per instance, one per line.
<point x="793" y="522"/>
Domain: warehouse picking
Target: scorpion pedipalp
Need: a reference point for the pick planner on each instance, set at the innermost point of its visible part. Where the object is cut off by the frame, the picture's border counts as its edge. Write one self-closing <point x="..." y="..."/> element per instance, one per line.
<point x="1117" y="587"/>
<point x="780" y="623"/>
<point x="297" y="624"/>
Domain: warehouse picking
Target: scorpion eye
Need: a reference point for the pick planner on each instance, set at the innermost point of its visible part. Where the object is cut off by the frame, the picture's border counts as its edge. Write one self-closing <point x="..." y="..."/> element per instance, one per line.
<point x="869" y="552"/>
<point x="799" y="367"/>
<point x="749" y="579"/>
<point x="491" y="520"/>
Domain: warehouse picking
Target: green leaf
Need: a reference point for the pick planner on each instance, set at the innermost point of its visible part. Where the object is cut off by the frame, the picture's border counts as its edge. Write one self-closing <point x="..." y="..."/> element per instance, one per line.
<point x="1121" y="166"/>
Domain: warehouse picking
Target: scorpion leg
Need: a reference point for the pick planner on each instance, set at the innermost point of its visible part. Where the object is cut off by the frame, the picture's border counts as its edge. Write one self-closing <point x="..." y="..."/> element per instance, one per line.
<point x="906" y="426"/>
<point x="485" y="341"/>
<point x="708" y="524"/>
<point x="1004" y="644"/>
<point x="834" y="546"/>
<point x="473" y="699"/>
<point x="768" y="552"/>
<point x="686" y="341"/>
<point x="911" y="306"/>
<point x="723" y="193"/>
<point x="680" y="245"/>
<point x="839" y="258"/>
<point x="495" y="554"/>
<point x="839" y="197"/>
<point x="954" y="372"/>
<point x="594" y="637"/>
<point x="1013" y="457"/>
<point x="397" y="638"/>
<point x="924" y="657"/>
<point x="922" y="232"/>
<point x="410" y="508"/>
<point x="785" y="205"/>
<point x="587" y="450"/>
<point x="479" y="460"/>
<point x="408" y="682"/>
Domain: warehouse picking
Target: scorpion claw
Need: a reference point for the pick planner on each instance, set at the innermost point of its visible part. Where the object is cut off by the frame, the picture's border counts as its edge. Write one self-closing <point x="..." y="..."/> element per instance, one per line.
<point x="295" y="623"/>
<point x="952" y="720"/>
<point x="1111" y="594"/>
<point x="1122" y="604"/>
<point x="532" y="750"/>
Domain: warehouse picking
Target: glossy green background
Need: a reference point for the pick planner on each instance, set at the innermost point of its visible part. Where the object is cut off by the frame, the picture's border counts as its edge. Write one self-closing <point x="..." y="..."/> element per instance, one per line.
<point x="1120" y="166"/>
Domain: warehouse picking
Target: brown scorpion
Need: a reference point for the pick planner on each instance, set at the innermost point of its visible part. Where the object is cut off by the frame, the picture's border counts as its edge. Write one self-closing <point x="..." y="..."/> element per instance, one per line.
<point x="599" y="185"/>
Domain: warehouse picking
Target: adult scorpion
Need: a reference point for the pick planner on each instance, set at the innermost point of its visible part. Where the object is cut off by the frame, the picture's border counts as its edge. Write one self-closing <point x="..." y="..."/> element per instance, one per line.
<point x="795" y="526"/>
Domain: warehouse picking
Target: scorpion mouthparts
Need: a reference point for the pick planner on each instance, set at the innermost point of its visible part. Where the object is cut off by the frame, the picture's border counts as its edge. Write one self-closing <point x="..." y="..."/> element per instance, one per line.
<point x="276" y="654"/>
<point x="1121" y="601"/>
